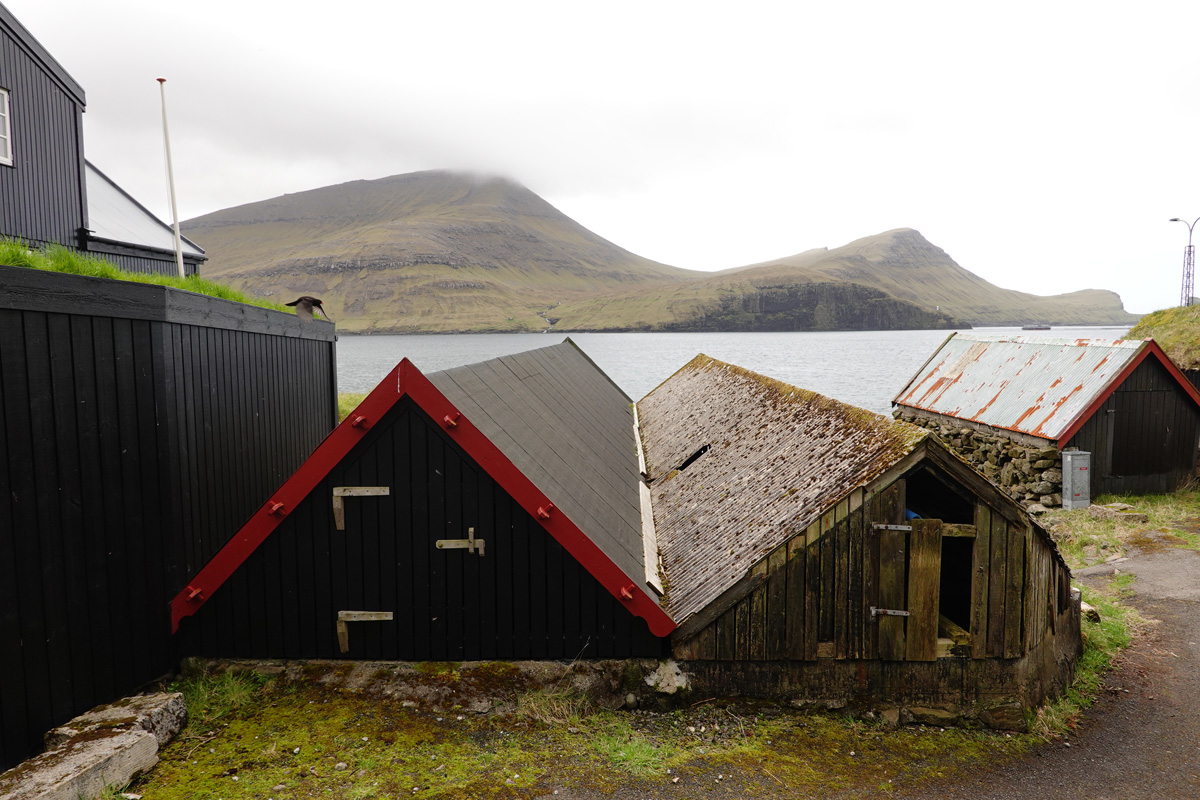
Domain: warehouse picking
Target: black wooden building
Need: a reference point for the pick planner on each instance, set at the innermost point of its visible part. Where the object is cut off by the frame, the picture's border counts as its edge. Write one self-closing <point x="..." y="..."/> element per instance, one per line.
<point x="492" y="511"/>
<point x="139" y="427"/>
<point x="49" y="194"/>
<point x="1123" y="401"/>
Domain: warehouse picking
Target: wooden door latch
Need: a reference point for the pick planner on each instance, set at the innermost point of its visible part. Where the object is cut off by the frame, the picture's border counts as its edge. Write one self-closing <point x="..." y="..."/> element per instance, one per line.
<point x="470" y="544"/>
<point x="343" y="632"/>
<point x="339" y="505"/>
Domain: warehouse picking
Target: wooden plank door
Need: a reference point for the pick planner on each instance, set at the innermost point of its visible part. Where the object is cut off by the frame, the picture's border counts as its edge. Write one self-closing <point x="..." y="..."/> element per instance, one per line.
<point x="924" y="588"/>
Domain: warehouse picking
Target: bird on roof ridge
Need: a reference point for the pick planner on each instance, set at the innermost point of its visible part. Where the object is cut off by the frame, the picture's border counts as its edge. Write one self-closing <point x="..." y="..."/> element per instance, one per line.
<point x="305" y="305"/>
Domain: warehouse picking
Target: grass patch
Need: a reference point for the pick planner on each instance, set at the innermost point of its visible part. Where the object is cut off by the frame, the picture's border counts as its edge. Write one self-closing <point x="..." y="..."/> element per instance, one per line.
<point x="1102" y="641"/>
<point x="347" y="402"/>
<point x="631" y="751"/>
<point x="554" y="707"/>
<point x="210" y="697"/>
<point x="56" y="258"/>
<point x="1083" y="540"/>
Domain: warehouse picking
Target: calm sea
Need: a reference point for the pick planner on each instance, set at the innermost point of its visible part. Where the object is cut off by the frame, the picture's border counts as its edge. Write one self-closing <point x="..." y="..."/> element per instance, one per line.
<point x="864" y="368"/>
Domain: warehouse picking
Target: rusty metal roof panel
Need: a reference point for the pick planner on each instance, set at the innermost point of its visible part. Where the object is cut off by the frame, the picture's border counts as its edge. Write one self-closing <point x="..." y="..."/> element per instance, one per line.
<point x="1031" y="385"/>
<point x="777" y="458"/>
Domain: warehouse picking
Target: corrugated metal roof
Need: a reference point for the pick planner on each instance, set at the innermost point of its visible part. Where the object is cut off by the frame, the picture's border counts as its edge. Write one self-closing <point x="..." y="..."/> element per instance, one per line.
<point x="1032" y="385"/>
<point x="565" y="425"/>
<point x="117" y="217"/>
<point x="778" y="458"/>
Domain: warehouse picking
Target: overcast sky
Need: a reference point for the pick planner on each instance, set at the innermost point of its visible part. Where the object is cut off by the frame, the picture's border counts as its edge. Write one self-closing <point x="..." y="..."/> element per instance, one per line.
<point x="1043" y="145"/>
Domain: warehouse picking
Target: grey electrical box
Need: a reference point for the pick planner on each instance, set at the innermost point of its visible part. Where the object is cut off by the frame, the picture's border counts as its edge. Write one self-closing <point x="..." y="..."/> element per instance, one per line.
<point x="1077" y="479"/>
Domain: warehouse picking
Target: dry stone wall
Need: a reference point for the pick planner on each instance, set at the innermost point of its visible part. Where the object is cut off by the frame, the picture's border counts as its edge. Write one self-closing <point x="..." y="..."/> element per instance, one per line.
<point x="1030" y="475"/>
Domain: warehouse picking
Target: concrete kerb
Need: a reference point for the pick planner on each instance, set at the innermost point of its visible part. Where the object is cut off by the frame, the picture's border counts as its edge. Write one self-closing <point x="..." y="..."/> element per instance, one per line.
<point x="107" y="746"/>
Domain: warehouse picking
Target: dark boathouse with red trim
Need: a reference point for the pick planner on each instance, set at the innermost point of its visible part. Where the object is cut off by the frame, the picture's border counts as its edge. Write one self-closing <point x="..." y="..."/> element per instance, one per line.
<point x="493" y="511"/>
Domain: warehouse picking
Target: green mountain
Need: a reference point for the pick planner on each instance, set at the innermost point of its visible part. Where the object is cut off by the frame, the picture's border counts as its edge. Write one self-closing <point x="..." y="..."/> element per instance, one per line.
<point x="442" y="251"/>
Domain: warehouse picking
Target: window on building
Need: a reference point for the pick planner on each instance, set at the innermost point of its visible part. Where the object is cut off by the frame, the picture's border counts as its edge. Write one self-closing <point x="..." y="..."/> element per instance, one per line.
<point x="5" y="130"/>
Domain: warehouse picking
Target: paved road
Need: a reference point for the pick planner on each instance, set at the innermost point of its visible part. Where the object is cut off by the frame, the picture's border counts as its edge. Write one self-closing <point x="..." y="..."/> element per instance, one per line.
<point x="1142" y="739"/>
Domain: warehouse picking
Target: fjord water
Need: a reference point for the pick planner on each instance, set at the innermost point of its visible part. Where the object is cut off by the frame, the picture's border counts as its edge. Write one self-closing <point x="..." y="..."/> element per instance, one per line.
<point x="864" y="368"/>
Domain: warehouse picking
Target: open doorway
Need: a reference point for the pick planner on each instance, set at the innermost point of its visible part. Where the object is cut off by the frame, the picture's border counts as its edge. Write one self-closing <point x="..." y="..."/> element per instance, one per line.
<point x="958" y="558"/>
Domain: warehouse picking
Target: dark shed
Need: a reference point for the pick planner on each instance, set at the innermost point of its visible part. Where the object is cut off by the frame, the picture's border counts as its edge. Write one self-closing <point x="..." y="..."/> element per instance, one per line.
<point x="1123" y="401"/>
<point x="821" y="551"/>
<point x="48" y="193"/>
<point x="139" y="426"/>
<point x="489" y="511"/>
<point x="42" y="184"/>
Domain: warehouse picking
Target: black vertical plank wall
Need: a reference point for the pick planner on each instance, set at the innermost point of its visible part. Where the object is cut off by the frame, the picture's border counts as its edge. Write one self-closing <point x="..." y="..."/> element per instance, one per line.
<point x="447" y="604"/>
<point x="133" y="443"/>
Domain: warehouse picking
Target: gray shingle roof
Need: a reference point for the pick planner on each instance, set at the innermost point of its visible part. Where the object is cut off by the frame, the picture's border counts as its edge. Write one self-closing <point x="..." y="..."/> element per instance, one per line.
<point x="778" y="458"/>
<point x="562" y="422"/>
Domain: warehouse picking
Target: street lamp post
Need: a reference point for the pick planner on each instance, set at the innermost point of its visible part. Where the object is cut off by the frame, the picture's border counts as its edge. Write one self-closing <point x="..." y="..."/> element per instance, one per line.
<point x="1189" y="263"/>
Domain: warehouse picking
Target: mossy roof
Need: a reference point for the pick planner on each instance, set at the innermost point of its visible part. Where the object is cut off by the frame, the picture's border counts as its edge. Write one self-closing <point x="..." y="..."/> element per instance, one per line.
<point x="779" y="456"/>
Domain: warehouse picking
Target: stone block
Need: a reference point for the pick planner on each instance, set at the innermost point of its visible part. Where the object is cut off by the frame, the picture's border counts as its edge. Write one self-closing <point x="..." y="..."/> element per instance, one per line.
<point x="162" y="714"/>
<point x="1108" y="512"/>
<point x="1008" y="474"/>
<point x="1053" y="476"/>
<point x="1005" y="717"/>
<point x="1050" y="453"/>
<point x="940" y="717"/>
<point x="1041" y="488"/>
<point x="82" y="767"/>
<point x="1044" y="463"/>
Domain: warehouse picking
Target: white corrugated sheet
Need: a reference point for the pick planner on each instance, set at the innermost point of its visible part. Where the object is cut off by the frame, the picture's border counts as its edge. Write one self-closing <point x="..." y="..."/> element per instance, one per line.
<point x="1032" y="385"/>
<point x="117" y="217"/>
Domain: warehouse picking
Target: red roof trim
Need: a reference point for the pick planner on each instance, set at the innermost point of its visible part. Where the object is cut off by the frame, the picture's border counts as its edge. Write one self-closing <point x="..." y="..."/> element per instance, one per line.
<point x="1150" y="347"/>
<point x="408" y="380"/>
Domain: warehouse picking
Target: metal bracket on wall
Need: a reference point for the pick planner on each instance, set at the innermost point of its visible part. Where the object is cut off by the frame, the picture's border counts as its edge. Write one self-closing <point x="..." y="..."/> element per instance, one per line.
<point x="357" y="616"/>
<point x="339" y="505"/>
<point x="470" y="544"/>
<point x="879" y="526"/>
<point x="887" y="612"/>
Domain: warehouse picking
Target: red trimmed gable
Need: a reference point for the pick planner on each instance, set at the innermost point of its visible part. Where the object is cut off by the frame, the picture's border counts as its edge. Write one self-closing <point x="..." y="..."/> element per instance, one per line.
<point x="1151" y="348"/>
<point x="407" y="380"/>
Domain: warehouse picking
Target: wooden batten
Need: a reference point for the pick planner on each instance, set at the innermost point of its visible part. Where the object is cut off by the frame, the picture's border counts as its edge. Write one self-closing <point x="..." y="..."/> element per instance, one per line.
<point x="980" y="582"/>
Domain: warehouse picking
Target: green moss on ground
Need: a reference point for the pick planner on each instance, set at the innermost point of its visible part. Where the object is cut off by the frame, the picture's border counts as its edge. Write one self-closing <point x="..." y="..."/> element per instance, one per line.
<point x="303" y="739"/>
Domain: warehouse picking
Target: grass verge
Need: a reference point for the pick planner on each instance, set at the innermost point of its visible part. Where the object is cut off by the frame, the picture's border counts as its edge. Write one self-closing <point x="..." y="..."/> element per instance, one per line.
<point x="347" y="402"/>
<point x="56" y="258"/>
<point x="1173" y="520"/>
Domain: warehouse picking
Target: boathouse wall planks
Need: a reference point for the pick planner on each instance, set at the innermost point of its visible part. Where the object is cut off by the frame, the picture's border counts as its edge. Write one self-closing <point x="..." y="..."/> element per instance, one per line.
<point x="138" y="427"/>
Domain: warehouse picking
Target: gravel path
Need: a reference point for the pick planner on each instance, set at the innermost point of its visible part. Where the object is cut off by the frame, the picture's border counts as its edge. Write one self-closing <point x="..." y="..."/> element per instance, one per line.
<point x="1142" y="739"/>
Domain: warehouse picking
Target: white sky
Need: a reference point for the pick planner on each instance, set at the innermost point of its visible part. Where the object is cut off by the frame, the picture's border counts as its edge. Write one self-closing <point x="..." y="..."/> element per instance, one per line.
<point x="1043" y="145"/>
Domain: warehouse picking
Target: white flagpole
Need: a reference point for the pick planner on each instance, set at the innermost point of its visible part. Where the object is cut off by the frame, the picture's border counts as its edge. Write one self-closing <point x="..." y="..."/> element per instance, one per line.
<point x="171" y="179"/>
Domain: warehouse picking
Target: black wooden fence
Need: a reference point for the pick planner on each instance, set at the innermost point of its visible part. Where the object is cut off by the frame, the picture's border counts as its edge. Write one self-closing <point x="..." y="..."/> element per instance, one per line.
<point x="139" y="427"/>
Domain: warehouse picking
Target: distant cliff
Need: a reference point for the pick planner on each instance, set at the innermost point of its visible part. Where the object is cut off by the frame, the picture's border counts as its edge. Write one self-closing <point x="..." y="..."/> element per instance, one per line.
<point x="442" y="251"/>
<point x="813" y="307"/>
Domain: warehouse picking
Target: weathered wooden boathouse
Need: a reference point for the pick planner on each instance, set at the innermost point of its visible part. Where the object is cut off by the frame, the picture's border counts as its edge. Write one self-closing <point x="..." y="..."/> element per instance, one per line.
<point x="819" y="551"/>
<point x="492" y="511"/>
<point x="1123" y="401"/>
